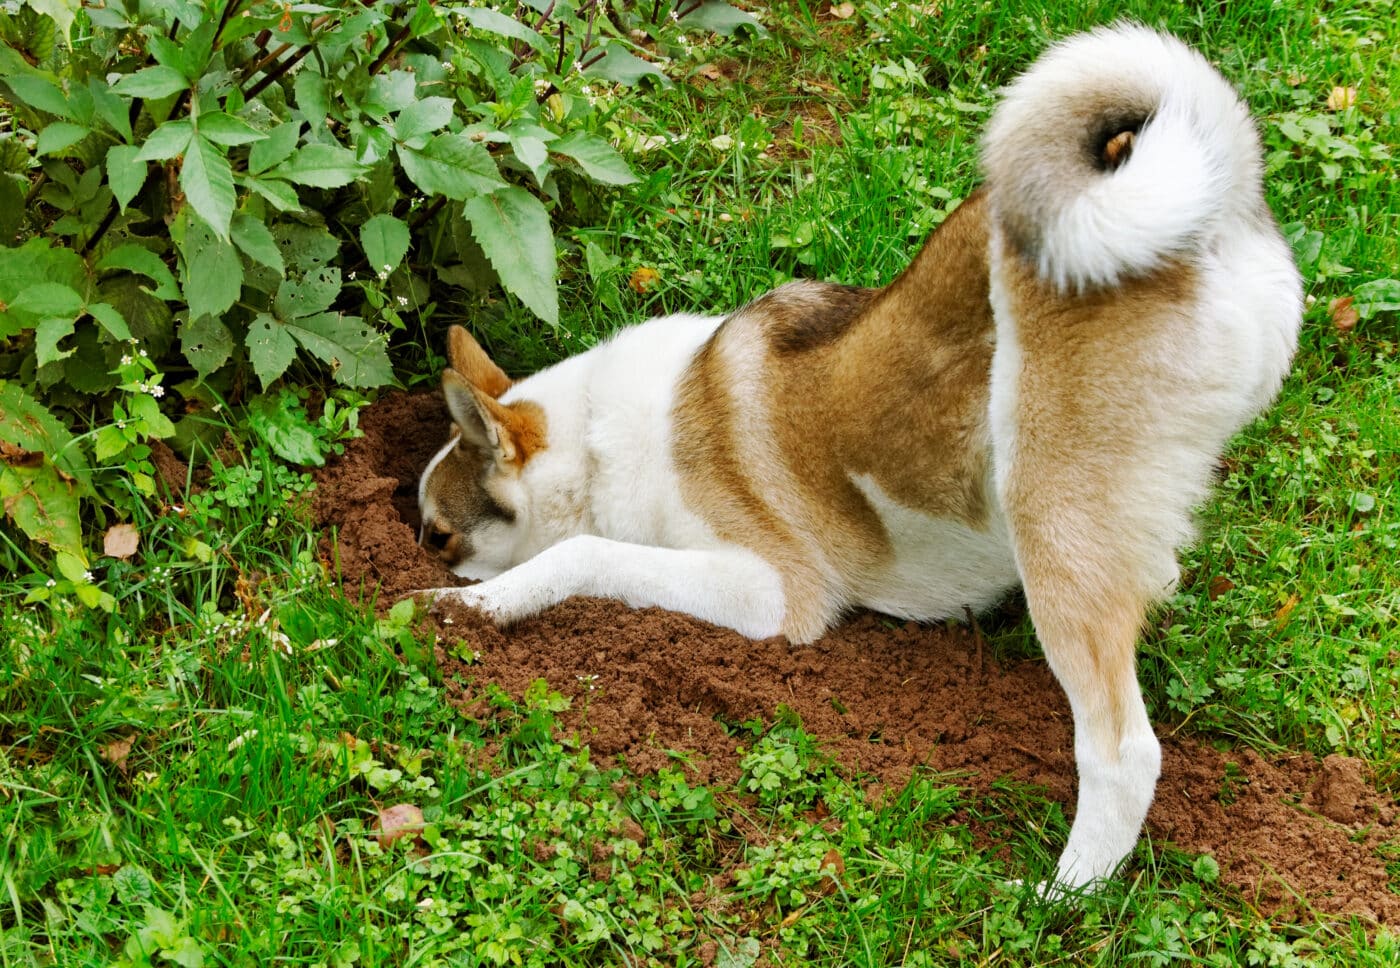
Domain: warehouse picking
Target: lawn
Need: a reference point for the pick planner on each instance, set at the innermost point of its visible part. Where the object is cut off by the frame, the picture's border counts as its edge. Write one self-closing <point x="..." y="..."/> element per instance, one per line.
<point x="199" y="774"/>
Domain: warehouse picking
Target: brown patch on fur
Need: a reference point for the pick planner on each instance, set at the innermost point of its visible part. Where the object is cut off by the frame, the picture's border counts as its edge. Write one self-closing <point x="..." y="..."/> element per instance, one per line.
<point x="796" y="324"/>
<point x="470" y="360"/>
<point x="815" y="383"/>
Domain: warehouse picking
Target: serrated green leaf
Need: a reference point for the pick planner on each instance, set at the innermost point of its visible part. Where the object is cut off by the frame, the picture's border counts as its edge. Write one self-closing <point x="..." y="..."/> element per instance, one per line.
<point x="423" y="117"/>
<point x="352" y="348"/>
<point x="271" y="349"/>
<point x="144" y="408"/>
<point x="110" y="108"/>
<point x="224" y="129"/>
<point x="1377" y="296"/>
<point x="49" y="299"/>
<point x="598" y="159"/>
<point x="206" y="343"/>
<point x="452" y="165"/>
<point x="213" y="272"/>
<point x="47" y="335"/>
<point x="312" y="293"/>
<point x="494" y="22"/>
<point x="276" y="148"/>
<point x="321" y="166"/>
<point x="208" y="183"/>
<point x="313" y="97"/>
<point x="134" y="258"/>
<point x="29" y="425"/>
<point x="108" y="443"/>
<point x="280" y="194"/>
<point x="721" y="18"/>
<point x="622" y="67"/>
<point x="385" y="240"/>
<point x="282" y="423"/>
<point x="59" y="135"/>
<point x="126" y="173"/>
<point x="39" y="93"/>
<point x="62" y="12"/>
<point x="533" y="154"/>
<point x="305" y="247"/>
<point x="512" y="228"/>
<point x="111" y="320"/>
<point x="167" y="141"/>
<point x="152" y="82"/>
<point x="44" y="506"/>
<point x="252" y="236"/>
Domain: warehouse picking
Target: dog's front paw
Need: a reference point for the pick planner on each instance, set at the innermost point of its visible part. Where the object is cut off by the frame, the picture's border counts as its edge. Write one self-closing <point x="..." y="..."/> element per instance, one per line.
<point x="500" y="599"/>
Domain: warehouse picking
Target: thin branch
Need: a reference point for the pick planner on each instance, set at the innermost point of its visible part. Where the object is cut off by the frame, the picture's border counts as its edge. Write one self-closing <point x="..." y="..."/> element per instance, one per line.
<point x="276" y="72"/>
<point x="392" y="49"/>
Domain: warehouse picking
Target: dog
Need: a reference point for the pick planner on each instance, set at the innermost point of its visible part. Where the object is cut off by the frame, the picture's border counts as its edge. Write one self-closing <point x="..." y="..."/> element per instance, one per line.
<point x="1040" y="399"/>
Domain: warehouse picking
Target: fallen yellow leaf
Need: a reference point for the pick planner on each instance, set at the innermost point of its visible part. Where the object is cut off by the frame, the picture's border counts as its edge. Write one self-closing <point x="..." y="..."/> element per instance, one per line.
<point x="643" y="279"/>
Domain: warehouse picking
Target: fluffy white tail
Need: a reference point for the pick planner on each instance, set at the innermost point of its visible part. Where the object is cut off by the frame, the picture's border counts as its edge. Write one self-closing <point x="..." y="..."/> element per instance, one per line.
<point x="1120" y="148"/>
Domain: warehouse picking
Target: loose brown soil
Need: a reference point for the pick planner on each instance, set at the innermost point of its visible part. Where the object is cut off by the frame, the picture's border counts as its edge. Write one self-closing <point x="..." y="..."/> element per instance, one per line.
<point x="1292" y="834"/>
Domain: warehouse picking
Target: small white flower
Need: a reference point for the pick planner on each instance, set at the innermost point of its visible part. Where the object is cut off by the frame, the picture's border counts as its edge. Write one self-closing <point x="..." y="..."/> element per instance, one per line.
<point x="157" y="390"/>
<point x="50" y="583"/>
<point x="128" y="360"/>
<point x="449" y="67"/>
<point x="143" y="354"/>
<point x="87" y="576"/>
<point x="241" y="738"/>
<point x="352" y="273"/>
<point x="403" y="300"/>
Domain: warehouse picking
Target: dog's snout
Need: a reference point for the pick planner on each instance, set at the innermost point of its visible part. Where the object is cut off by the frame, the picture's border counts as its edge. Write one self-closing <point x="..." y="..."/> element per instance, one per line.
<point x="437" y="540"/>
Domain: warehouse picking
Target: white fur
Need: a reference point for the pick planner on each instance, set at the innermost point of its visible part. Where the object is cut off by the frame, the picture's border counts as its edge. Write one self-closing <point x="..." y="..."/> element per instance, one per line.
<point x="938" y="568"/>
<point x="1194" y="166"/>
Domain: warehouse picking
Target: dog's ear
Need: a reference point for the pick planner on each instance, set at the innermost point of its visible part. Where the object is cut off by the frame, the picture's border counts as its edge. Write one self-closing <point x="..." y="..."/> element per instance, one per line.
<point x="511" y="433"/>
<point x="470" y="360"/>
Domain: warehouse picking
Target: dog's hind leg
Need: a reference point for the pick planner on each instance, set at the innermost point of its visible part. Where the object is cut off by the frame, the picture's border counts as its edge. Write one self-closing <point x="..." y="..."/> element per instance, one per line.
<point x="1089" y="630"/>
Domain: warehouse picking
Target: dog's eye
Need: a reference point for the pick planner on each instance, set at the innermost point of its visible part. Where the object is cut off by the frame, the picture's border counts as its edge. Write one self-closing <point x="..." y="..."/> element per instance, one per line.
<point x="437" y="539"/>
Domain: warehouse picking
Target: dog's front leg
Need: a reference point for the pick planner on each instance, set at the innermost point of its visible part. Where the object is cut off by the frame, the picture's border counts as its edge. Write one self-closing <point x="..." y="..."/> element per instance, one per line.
<point x="730" y="587"/>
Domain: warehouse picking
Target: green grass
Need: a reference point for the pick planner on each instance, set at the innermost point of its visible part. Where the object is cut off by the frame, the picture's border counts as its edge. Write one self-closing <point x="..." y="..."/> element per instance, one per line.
<point x="194" y="777"/>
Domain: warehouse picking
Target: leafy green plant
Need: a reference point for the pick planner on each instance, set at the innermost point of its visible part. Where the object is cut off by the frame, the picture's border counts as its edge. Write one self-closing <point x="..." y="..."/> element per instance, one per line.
<point x="213" y="193"/>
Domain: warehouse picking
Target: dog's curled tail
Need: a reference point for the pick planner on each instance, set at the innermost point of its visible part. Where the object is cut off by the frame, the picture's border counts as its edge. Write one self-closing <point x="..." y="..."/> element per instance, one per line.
<point x="1118" y="150"/>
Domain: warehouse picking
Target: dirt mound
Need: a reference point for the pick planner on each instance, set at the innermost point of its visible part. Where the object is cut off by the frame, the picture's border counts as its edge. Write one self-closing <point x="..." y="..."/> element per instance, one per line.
<point x="886" y="697"/>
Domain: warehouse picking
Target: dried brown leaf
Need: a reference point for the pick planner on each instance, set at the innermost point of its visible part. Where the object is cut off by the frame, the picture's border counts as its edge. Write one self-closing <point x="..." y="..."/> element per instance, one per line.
<point x="399" y="821"/>
<point x="121" y="541"/>
<point x="117" y="751"/>
<point x="1219" y="585"/>
<point x="843" y="11"/>
<point x="643" y="279"/>
<point x="1343" y="313"/>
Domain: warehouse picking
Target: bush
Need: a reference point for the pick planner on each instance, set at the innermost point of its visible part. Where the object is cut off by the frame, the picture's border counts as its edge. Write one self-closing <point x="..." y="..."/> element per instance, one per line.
<point x="197" y="197"/>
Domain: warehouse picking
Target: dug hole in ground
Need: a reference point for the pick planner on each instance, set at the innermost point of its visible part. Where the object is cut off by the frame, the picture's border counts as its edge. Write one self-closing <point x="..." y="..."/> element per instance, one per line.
<point x="883" y="698"/>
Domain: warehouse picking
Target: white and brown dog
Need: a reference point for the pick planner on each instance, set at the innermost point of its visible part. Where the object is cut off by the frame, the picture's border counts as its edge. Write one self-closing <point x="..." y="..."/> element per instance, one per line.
<point x="1039" y="399"/>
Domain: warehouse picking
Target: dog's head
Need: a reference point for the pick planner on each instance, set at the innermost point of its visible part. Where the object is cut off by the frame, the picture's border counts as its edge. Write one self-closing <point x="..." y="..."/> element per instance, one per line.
<point x="474" y="507"/>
